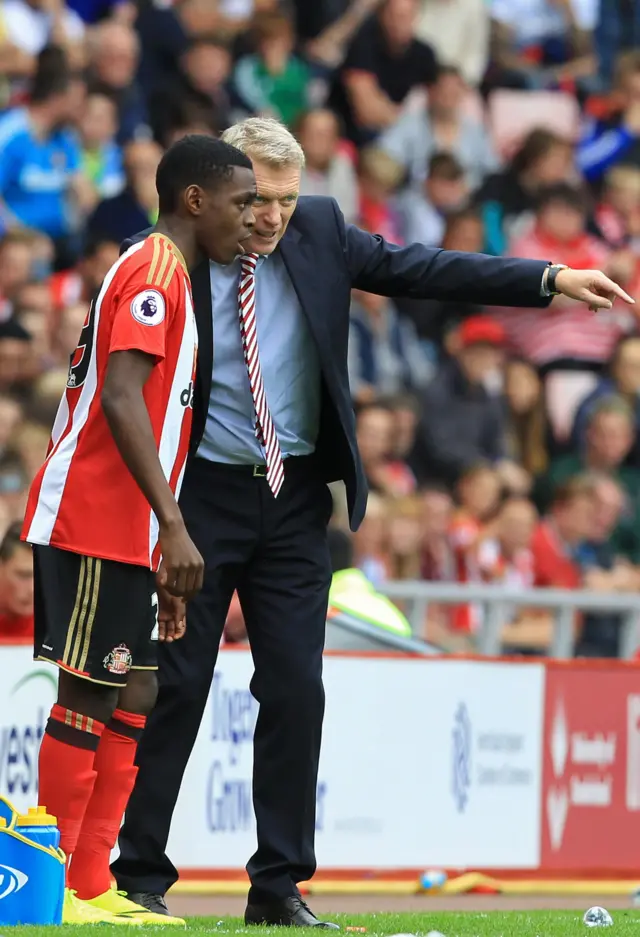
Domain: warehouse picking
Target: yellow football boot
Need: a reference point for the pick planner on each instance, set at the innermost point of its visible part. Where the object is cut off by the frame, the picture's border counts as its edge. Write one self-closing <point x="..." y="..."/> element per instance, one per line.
<point x="119" y="906"/>
<point x="75" y="911"/>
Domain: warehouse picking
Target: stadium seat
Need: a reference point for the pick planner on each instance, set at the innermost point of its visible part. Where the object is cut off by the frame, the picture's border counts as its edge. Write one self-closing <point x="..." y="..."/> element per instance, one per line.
<point x="513" y="114"/>
<point x="564" y="392"/>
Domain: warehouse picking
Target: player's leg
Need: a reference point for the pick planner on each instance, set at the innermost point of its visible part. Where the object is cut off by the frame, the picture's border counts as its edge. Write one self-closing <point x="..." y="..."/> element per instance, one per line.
<point x="67" y="773"/>
<point x="66" y="603"/>
<point x="132" y="603"/>
<point x="116" y="773"/>
<point x="68" y="750"/>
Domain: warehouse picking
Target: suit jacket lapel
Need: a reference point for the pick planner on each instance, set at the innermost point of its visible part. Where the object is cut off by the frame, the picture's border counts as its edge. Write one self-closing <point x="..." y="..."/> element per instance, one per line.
<point x="300" y="266"/>
<point x="201" y="286"/>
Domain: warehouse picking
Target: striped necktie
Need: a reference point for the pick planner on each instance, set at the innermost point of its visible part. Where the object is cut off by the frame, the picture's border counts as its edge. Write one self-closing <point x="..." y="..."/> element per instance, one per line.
<point x="265" y="430"/>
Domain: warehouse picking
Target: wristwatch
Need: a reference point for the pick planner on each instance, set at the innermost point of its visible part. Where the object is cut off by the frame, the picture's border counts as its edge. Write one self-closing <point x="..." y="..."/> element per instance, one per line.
<point x="549" y="279"/>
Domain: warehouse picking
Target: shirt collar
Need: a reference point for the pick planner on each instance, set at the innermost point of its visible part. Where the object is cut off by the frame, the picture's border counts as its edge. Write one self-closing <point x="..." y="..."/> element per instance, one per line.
<point x="235" y="263"/>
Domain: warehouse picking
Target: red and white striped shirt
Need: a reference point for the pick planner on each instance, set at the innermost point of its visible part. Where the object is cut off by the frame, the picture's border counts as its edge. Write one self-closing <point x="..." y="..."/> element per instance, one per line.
<point x="566" y="329"/>
<point x="84" y="498"/>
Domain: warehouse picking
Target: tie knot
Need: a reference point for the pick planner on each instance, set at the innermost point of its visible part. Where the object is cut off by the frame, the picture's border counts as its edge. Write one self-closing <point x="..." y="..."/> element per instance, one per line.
<point x="249" y="262"/>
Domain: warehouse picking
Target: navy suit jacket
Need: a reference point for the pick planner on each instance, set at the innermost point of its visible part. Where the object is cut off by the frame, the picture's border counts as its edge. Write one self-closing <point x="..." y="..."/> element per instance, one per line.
<point x="326" y="259"/>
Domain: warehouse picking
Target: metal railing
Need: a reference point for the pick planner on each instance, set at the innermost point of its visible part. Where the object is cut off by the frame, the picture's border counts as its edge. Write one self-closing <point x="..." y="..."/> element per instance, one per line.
<point x="346" y="633"/>
<point x="497" y="603"/>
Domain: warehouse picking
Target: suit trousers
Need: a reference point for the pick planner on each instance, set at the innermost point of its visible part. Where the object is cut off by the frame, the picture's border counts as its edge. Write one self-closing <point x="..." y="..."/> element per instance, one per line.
<point x="274" y="552"/>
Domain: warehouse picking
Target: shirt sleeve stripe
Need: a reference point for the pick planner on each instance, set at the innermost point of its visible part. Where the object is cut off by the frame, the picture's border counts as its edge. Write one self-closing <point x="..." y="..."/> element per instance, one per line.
<point x="166" y="259"/>
<point x="170" y="272"/>
<point x="157" y="248"/>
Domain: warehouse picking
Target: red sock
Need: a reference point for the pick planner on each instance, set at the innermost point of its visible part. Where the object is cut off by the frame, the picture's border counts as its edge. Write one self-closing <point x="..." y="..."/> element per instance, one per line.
<point x="89" y="873"/>
<point x="65" y="770"/>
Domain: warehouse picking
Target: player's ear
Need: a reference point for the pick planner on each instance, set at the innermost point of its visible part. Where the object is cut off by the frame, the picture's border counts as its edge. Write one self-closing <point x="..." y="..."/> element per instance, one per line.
<point x="194" y="199"/>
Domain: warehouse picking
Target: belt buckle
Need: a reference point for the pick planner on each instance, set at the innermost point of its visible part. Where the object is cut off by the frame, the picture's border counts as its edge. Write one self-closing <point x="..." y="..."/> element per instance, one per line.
<point x="259" y="471"/>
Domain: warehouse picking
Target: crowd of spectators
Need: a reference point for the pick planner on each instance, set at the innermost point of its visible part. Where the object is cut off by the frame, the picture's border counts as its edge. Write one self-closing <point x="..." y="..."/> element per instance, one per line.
<point x="500" y="445"/>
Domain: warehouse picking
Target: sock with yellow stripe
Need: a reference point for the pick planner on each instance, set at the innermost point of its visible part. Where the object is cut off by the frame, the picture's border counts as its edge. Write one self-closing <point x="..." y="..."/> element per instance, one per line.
<point x="66" y="772"/>
<point x="89" y="874"/>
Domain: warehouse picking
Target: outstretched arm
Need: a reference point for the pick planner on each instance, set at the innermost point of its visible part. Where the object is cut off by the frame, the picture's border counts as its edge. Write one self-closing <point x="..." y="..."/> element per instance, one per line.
<point x="421" y="272"/>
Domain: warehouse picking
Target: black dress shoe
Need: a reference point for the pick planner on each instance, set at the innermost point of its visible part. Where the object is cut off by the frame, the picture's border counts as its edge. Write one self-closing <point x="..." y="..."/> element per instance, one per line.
<point x="290" y="912"/>
<point x="151" y="902"/>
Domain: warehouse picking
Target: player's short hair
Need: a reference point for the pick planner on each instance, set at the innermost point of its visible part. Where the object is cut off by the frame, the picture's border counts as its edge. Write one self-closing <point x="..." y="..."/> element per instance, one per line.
<point x="11" y="542"/>
<point x="196" y="159"/>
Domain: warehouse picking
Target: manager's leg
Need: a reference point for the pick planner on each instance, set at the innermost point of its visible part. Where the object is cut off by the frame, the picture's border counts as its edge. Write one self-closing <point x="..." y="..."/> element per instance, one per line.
<point x="185" y="672"/>
<point x="284" y="596"/>
<point x="186" y="668"/>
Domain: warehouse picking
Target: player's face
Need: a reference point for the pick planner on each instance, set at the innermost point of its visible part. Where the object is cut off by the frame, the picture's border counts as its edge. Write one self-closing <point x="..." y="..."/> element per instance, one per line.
<point x="226" y="220"/>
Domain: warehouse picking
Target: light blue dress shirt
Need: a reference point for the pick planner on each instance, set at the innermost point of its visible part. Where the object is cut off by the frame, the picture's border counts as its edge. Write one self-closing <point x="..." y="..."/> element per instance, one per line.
<point x="289" y="362"/>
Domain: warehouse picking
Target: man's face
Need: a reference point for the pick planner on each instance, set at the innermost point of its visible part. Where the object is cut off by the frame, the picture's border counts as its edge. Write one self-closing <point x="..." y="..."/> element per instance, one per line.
<point x="14" y="357"/>
<point x="609" y="439"/>
<point x="35" y="297"/>
<point x="398" y="20"/>
<point x="437" y="510"/>
<point x="226" y="217"/>
<point x="627" y="367"/>
<point x="278" y="188"/>
<point x="116" y="58"/>
<point x="16" y="583"/>
<point x="207" y="66"/>
<point x="374" y="433"/>
<point x="575" y="519"/>
<point x="447" y="94"/>
<point x="99" y="120"/>
<point x="446" y="195"/>
<point x="480" y="493"/>
<point x="479" y="361"/>
<point x="562" y="222"/>
<point x="516" y="525"/>
<point x="15" y="267"/>
<point x="319" y="139"/>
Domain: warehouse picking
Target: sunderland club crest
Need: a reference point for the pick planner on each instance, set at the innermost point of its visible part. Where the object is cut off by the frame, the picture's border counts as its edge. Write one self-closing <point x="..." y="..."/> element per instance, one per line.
<point x="118" y="660"/>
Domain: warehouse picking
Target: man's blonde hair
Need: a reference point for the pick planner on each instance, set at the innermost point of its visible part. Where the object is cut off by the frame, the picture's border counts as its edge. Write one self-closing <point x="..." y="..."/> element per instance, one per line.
<point x="267" y="141"/>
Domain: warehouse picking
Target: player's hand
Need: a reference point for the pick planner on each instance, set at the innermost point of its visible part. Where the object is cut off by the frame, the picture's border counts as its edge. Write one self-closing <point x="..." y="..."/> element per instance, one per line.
<point x="591" y="287"/>
<point x="172" y="611"/>
<point x="182" y="569"/>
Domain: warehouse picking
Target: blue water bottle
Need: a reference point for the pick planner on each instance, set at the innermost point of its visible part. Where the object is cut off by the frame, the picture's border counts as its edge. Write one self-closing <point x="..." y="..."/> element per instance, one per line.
<point x="38" y="826"/>
<point x="32" y="868"/>
<point x="8" y="812"/>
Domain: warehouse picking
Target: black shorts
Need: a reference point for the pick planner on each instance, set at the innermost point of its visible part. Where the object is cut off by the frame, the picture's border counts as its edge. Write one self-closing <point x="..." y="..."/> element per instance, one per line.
<point x="94" y="618"/>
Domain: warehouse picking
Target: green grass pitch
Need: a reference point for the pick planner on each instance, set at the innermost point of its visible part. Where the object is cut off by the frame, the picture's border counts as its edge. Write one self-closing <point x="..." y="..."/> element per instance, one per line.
<point x="451" y="924"/>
